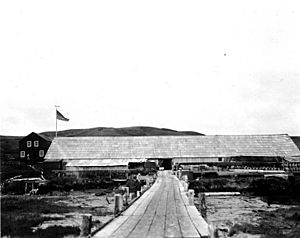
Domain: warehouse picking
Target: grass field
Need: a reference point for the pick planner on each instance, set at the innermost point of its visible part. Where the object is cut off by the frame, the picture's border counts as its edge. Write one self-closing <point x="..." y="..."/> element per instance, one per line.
<point x="19" y="214"/>
<point x="52" y="216"/>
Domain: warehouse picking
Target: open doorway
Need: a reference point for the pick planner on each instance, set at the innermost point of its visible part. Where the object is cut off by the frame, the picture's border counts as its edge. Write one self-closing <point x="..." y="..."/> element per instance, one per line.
<point x="166" y="163"/>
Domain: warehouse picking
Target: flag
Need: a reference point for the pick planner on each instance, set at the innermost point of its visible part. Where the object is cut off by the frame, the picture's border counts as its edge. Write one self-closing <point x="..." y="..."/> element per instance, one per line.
<point x="60" y="116"/>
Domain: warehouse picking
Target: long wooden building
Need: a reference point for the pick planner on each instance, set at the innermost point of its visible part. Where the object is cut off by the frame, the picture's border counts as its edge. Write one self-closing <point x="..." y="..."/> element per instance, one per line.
<point x="100" y="153"/>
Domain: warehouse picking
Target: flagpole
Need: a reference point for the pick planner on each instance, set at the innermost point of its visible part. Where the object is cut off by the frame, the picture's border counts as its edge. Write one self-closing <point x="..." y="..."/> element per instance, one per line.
<point x="56" y="120"/>
<point x="55" y="125"/>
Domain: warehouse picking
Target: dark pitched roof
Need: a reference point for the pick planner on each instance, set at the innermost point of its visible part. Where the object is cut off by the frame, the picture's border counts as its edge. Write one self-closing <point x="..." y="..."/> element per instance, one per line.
<point x="171" y="147"/>
<point x="45" y="137"/>
<point x="296" y="140"/>
<point x="37" y="134"/>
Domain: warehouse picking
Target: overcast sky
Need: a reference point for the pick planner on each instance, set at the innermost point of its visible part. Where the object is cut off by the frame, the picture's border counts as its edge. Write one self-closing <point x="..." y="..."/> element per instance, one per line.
<point x="216" y="67"/>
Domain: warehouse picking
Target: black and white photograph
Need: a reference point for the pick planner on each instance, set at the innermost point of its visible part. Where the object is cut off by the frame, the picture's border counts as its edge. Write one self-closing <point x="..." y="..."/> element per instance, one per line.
<point x="150" y="119"/>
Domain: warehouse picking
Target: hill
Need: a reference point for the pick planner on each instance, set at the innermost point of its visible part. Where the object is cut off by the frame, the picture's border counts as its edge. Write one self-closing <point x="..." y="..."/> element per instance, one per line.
<point x="9" y="147"/>
<point x="126" y="131"/>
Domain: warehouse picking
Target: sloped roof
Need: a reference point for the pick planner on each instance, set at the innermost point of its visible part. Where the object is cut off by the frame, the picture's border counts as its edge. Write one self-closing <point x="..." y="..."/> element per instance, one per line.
<point x="45" y="137"/>
<point x="37" y="134"/>
<point x="69" y="148"/>
<point x="293" y="159"/>
<point x="296" y="140"/>
<point x="102" y="162"/>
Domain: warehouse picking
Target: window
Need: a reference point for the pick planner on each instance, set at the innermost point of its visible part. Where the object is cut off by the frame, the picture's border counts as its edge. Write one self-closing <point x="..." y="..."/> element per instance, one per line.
<point x="41" y="153"/>
<point x="36" y="143"/>
<point x="22" y="154"/>
<point x="220" y="159"/>
<point x="28" y="143"/>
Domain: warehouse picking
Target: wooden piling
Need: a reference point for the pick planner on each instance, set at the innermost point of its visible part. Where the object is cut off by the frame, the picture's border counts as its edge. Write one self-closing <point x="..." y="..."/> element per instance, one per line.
<point x="86" y="225"/>
<point x="131" y="196"/>
<point x="202" y="205"/>
<point x="147" y="182"/>
<point x="118" y="203"/>
<point x="191" y="194"/>
<point x="126" y="190"/>
<point x="179" y="173"/>
<point x="186" y="186"/>
<point x="126" y="195"/>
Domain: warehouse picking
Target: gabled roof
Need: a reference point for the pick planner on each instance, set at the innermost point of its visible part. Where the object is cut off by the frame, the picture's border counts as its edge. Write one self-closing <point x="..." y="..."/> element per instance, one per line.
<point x="39" y="135"/>
<point x="45" y="137"/>
<point x="137" y="147"/>
<point x="296" y="140"/>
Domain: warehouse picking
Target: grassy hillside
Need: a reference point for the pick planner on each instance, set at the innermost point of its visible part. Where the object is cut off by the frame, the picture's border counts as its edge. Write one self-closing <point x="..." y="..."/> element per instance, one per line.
<point x="126" y="131"/>
<point x="9" y="147"/>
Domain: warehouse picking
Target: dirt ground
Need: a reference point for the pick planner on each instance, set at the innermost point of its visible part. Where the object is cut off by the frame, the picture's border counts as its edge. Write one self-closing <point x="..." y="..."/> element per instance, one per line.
<point x="243" y="216"/>
<point x="86" y="202"/>
<point x="61" y="210"/>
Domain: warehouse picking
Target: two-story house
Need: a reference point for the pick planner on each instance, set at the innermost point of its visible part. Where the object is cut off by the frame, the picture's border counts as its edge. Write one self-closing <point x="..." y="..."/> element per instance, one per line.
<point x="33" y="148"/>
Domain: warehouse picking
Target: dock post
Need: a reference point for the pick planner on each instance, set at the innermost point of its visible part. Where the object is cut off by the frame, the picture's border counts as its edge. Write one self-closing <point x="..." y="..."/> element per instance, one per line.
<point x="86" y="225"/>
<point x="147" y="182"/>
<point x="182" y="183"/>
<point x="186" y="186"/>
<point x="126" y="195"/>
<point x="131" y="196"/>
<point x="118" y="203"/>
<point x="191" y="195"/>
<point x="126" y="190"/>
<point x="202" y="205"/>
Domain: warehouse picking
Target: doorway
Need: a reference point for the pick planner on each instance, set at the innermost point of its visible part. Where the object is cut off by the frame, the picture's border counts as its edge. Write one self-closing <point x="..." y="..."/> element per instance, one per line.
<point x="167" y="164"/>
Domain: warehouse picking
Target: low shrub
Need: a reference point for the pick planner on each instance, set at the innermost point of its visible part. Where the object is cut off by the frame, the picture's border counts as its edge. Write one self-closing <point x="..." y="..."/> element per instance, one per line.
<point x="19" y="214"/>
<point x="57" y="231"/>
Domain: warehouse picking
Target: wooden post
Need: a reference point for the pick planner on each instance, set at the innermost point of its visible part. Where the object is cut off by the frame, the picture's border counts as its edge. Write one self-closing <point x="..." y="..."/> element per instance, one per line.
<point x="182" y="183"/>
<point x="147" y="182"/>
<point x="118" y="203"/>
<point x="151" y="180"/>
<point x="186" y="186"/>
<point x="191" y="195"/>
<point x="131" y="196"/>
<point x="138" y="193"/>
<point x="138" y="177"/>
<point x="25" y="187"/>
<point x="213" y="231"/>
<point x="202" y="205"/>
<point x="126" y="195"/>
<point x="126" y="190"/>
<point x="86" y="225"/>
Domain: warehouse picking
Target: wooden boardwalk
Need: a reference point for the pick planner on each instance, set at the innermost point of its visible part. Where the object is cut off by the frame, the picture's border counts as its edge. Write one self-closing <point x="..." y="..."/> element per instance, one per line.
<point x="162" y="211"/>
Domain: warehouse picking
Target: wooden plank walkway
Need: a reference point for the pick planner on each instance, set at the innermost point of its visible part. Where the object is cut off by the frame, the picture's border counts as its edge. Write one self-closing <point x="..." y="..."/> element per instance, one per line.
<point x="162" y="211"/>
